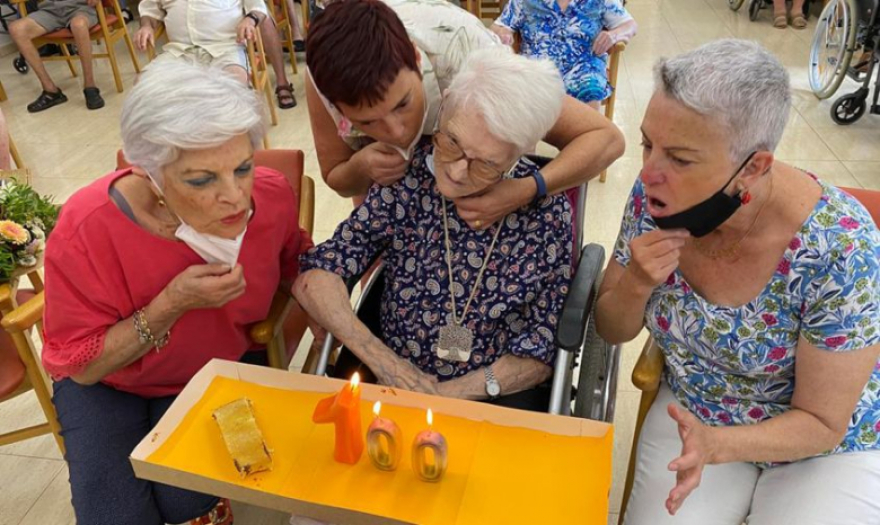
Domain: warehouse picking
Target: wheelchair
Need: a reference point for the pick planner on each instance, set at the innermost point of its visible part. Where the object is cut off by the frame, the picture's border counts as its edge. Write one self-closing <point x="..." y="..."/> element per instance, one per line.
<point x="579" y="348"/>
<point x="846" y="26"/>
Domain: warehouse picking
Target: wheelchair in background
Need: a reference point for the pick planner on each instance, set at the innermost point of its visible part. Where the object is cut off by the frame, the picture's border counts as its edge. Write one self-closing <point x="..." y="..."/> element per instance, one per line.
<point x="580" y="351"/>
<point x="755" y="7"/>
<point x="846" y="26"/>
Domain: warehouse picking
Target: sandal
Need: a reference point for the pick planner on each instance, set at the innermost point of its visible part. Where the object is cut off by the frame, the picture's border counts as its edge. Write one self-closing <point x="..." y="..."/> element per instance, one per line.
<point x="284" y="94"/>
<point x="46" y="100"/>
<point x="93" y="98"/>
<point x="221" y="514"/>
<point x="780" y="20"/>
<point x="798" y="22"/>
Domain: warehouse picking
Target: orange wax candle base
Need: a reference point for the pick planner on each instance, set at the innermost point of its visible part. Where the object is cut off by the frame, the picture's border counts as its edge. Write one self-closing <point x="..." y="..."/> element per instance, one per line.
<point x="343" y="410"/>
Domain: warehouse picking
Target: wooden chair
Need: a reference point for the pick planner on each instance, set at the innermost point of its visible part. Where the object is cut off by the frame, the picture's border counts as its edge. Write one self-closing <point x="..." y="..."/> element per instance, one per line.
<point x="158" y="33"/>
<point x="3" y="97"/>
<point x="16" y="156"/>
<point x="259" y="75"/>
<point x="286" y="322"/>
<point x="649" y="367"/>
<point x="281" y="15"/>
<point x="23" y="372"/>
<point x="109" y="29"/>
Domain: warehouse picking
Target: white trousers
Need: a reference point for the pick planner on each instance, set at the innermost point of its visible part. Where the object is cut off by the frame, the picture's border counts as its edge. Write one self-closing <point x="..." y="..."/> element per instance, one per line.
<point x="842" y="489"/>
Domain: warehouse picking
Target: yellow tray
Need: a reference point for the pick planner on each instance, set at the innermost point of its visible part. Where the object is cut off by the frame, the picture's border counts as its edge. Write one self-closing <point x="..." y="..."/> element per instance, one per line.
<point x="505" y="466"/>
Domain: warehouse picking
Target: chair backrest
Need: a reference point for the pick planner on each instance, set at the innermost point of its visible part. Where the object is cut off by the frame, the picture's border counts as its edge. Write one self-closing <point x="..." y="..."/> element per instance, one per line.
<point x="870" y="199"/>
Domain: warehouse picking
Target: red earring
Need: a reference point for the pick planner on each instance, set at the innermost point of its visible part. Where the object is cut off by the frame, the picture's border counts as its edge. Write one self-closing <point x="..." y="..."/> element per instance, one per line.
<point x="746" y="198"/>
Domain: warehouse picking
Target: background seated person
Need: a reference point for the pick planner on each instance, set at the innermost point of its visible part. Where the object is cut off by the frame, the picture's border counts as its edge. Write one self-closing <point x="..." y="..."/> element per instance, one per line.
<point x="79" y="16"/>
<point x="762" y="289"/>
<point x="376" y="72"/>
<point x="508" y="282"/>
<point x="216" y="40"/>
<point x="575" y="34"/>
<point x="152" y="272"/>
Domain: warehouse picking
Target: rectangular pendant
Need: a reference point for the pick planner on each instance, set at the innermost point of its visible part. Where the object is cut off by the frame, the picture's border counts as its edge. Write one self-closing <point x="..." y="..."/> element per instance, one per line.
<point x="455" y="343"/>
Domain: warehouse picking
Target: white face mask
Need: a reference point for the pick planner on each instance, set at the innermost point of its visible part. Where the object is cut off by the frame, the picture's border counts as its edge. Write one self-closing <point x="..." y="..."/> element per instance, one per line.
<point x="213" y="249"/>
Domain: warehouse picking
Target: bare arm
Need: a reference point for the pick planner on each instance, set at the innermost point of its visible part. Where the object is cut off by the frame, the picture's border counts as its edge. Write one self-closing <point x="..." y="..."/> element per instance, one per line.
<point x="323" y="295"/>
<point x="514" y="373"/>
<point x="149" y="22"/>
<point x="620" y="309"/>
<point x="625" y="31"/>
<point x="827" y="387"/>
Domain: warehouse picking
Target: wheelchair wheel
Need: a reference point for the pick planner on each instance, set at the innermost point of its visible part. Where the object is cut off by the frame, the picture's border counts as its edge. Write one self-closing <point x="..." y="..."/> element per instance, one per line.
<point x="734" y="5"/>
<point x="754" y="9"/>
<point x="588" y="402"/>
<point x="832" y="48"/>
<point x="849" y="108"/>
<point x="21" y="65"/>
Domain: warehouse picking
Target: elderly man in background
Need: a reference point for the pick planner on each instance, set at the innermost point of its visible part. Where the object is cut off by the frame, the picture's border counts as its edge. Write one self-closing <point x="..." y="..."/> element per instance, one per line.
<point x="218" y="38"/>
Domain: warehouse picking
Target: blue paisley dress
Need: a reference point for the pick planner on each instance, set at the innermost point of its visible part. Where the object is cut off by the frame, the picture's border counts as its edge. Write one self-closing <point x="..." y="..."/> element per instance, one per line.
<point x="566" y="38"/>
<point x="526" y="281"/>
<point x="735" y="366"/>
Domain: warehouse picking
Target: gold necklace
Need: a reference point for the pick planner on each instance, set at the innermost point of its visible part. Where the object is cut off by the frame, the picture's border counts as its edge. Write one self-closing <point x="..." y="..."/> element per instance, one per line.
<point x="732" y="251"/>
<point x="456" y="342"/>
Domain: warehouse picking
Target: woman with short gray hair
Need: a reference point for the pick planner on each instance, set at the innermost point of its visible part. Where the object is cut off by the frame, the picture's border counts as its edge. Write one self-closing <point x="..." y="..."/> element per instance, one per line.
<point x="155" y="270"/>
<point x="760" y="284"/>
<point x="466" y="312"/>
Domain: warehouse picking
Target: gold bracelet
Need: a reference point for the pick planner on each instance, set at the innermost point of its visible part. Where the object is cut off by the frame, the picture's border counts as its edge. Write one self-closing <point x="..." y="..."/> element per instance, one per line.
<point x="145" y="335"/>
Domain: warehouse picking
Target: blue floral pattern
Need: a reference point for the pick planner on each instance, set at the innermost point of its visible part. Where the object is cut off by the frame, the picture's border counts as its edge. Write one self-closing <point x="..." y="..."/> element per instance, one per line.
<point x="736" y="366"/>
<point x="525" y="283"/>
<point x="566" y="38"/>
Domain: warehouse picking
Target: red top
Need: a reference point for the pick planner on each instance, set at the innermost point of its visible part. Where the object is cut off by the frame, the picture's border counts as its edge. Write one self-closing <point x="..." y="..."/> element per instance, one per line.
<point x="101" y="267"/>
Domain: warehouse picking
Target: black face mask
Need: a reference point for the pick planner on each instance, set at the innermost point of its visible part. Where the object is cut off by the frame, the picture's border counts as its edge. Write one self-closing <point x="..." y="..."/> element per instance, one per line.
<point x="703" y="218"/>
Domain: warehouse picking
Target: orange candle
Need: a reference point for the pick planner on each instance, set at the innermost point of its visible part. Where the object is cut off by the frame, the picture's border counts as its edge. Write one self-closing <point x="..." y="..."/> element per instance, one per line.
<point x="344" y="411"/>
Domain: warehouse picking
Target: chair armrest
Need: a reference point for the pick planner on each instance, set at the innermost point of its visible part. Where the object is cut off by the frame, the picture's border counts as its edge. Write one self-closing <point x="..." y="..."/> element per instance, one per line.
<point x="579" y="303"/>
<point x="307" y="204"/>
<point x="25" y="316"/>
<point x="264" y="331"/>
<point x="649" y="367"/>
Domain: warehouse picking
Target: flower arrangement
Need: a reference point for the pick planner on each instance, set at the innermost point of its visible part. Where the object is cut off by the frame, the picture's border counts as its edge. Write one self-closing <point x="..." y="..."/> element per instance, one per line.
<point x="26" y="219"/>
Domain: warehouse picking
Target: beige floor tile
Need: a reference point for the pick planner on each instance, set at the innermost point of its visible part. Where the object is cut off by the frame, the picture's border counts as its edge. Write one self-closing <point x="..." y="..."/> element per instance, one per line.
<point x="800" y="141"/>
<point x="251" y="515"/>
<point x="54" y="505"/>
<point x="23" y="480"/>
<point x="867" y="173"/>
<point x="21" y="412"/>
<point x="851" y="143"/>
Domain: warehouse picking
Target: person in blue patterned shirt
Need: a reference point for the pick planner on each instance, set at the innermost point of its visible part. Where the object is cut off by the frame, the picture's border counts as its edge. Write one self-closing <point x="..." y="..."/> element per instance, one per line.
<point x="760" y="284"/>
<point x="575" y="34"/>
<point x="466" y="312"/>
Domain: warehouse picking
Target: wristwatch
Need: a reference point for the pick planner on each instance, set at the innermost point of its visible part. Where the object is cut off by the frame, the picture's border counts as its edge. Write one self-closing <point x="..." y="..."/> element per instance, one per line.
<point x="253" y="17"/>
<point x="493" y="387"/>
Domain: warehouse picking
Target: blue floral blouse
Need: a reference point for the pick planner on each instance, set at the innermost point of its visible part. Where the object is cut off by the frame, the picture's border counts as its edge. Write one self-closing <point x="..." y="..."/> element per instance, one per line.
<point x="525" y="283"/>
<point x="736" y="366"/>
<point x="566" y="38"/>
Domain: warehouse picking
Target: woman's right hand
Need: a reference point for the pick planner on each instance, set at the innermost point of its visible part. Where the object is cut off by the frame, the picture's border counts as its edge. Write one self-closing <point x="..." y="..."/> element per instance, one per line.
<point x="655" y="256"/>
<point x="205" y="286"/>
<point x="382" y="163"/>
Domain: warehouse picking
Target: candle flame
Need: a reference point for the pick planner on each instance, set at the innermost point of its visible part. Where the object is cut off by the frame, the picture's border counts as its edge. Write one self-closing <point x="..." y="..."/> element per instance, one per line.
<point x="355" y="380"/>
<point x="430" y="418"/>
<point x="377" y="408"/>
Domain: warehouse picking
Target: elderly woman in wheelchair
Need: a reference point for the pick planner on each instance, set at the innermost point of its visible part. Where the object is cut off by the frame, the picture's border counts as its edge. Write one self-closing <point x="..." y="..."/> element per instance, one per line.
<point x="154" y="270"/>
<point x="761" y="286"/>
<point x="467" y="313"/>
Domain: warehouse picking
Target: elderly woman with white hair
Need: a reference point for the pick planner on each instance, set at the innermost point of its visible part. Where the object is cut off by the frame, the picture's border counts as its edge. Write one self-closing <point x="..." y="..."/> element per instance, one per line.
<point x="760" y="284"/>
<point x="467" y="313"/>
<point x="155" y="270"/>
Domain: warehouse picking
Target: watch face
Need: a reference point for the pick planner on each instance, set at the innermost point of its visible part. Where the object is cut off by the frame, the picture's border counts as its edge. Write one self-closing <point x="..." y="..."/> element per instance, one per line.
<point x="493" y="388"/>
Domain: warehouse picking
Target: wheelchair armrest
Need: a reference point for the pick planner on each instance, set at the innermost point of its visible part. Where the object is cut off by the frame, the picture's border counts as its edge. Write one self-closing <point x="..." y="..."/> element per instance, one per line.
<point x="264" y="331"/>
<point x="579" y="303"/>
<point x="649" y="367"/>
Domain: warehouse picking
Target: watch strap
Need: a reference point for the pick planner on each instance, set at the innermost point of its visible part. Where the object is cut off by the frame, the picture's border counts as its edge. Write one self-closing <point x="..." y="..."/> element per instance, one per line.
<point x="542" y="185"/>
<point x="253" y="17"/>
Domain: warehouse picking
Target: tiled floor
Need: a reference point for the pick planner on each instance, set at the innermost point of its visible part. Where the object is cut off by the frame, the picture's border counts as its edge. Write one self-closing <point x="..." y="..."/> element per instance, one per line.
<point x="67" y="147"/>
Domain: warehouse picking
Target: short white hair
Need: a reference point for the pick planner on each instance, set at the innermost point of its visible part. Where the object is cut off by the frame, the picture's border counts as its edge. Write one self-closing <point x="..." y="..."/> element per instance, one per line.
<point x="179" y="106"/>
<point x="519" y="98"/>
<point x="739" y="84"/>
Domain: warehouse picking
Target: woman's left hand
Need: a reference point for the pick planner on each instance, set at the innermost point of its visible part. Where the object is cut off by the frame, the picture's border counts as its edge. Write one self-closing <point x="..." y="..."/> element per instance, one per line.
<point x="604" y="41"/>
<point x="696" y="452"/>
<point x="489" y="207"/>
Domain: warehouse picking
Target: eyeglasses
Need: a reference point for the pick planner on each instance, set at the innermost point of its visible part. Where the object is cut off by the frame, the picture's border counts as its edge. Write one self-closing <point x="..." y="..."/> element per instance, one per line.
<point x="446" y="149"/>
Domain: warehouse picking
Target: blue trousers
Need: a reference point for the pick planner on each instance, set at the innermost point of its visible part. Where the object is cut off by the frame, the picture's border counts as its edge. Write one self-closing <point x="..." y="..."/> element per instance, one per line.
<point x="101" y="426"/>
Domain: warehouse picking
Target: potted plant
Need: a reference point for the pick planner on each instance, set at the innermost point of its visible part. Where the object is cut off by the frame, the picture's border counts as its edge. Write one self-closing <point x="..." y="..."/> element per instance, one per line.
<point x="26" y="219"/>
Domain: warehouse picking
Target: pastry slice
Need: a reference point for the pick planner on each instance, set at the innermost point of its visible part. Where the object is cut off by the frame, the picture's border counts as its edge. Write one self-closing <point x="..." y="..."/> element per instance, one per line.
<point x="242" y="436"/>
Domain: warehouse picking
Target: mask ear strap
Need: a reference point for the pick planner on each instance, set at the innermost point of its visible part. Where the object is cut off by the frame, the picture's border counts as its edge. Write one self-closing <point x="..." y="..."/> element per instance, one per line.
<point x="738" y="170"/>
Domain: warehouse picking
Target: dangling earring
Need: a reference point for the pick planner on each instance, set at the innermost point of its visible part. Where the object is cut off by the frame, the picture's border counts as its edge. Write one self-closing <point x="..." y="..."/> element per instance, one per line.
<point x="161" y="201"/>
<point x="746" y="197"/>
